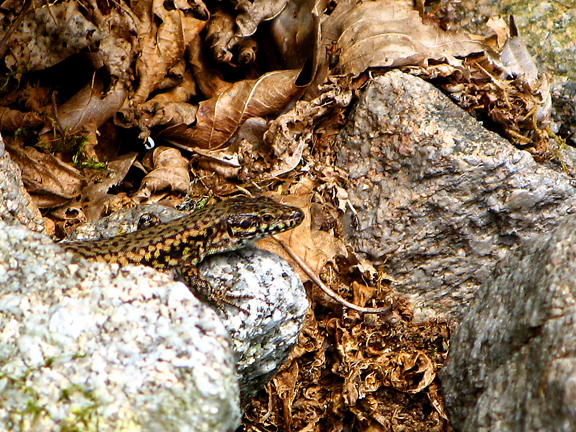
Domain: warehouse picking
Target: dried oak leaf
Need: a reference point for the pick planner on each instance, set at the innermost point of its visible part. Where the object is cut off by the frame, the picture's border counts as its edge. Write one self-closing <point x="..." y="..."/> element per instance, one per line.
<point x="170" y="172"/>
<point x="49" y="34"/>
<point x="312" y="245"/>
<point x="11" y="120"/>
<point x="165" y="34"/>
<point x="219" y="118"/>
<point x="389" y="33"/>
<point x="49" y="181"/>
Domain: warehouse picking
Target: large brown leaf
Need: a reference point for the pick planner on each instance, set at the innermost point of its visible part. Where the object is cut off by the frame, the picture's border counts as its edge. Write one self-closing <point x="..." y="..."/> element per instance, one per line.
<point x="388" y="33"/>
<point x="220" y="117"/>
<point x="89" y="108"/>
<point x="49" y="181"/>
<point x="85" y="112"/>
<point x="47" y="35"/>
<point x="165" y="32"/>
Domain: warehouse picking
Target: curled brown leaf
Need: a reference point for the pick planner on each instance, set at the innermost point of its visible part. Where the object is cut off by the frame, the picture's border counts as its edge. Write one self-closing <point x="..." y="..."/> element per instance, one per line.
<point x="388" y="33"/>
<point x="170" y="172"/>
<point x="11" y="120"/>
<point x="49" y="181"/>
<point x="220" y="117"/>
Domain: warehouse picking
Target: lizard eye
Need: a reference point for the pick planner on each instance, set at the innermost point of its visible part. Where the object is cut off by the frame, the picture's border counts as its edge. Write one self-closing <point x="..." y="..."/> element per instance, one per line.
<point x="267" y="217"/>
<point x="245" y="224"/>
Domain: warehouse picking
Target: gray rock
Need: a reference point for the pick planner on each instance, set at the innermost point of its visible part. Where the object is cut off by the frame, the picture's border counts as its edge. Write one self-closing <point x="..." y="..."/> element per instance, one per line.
<point x="121" y="222"/>
<point x="274" y="303"/>
<point x="92" y="345"/>
<point x="271" y="299"/>
<point x="439" y="199"/>
<point x="512" y="361"/>
<point x="16" y="204"/>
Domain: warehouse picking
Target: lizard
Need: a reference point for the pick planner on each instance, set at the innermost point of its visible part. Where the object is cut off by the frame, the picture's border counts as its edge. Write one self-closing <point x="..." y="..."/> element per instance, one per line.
<point x="180" y="245"/>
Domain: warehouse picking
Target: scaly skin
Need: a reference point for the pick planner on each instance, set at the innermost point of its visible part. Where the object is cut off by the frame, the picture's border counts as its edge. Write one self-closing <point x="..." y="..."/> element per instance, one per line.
<point x="183" y="243"/>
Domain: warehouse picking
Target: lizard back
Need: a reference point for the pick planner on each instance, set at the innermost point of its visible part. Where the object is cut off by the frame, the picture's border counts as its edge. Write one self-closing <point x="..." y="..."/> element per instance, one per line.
<point x="225" y="226"/>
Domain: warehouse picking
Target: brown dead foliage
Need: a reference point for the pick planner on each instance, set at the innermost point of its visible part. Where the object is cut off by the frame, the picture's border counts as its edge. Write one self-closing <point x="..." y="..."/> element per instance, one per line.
<point x="213" y="80"/>
<point x="353" y="372"/>
<point x="506" y="90"/>
<point x="249" y="96"/>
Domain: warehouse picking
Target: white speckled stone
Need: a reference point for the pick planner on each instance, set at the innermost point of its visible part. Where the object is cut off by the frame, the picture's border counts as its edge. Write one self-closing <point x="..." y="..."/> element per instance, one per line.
<point x="16" y="204"/>
<point x="95" y="347"/>
<point x="274" y="308"/>
<point x="272" y="297"/>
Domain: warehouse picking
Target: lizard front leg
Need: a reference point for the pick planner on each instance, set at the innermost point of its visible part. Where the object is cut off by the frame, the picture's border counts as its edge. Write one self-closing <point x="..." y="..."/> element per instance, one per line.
<point x="215" y="296"/>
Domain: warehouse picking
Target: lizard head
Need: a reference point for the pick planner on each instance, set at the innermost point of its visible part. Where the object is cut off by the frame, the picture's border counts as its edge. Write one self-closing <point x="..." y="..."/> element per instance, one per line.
<point x="250" y="219"/>
<point x="255" y="218"/>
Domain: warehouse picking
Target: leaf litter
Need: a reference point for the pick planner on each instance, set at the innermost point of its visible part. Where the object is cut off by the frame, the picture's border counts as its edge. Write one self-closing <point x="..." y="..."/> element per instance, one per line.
<point x="249" y="97"/>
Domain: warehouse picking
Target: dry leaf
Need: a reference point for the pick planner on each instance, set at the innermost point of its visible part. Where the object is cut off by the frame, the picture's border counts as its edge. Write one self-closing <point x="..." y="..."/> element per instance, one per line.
<point x="49" y="181"/>
<point x="500" y="29"/>
<point x="295" y="32"/>
<point x="170" y="172"/>
<point x="284" y="385"/>
<point x="95" y="197"/>
<point x="252" y="13"/>
<point x="247" y="51"/>
<point x="291" y="132"/>
<point x="413" y="372"/>
<point x="169" y="107"/>
<point x="219" y="32"/>
<point x="209" y="80"/>
<point x="165" y="34"/>
<point x="220" y="117"/>
<point x="315" y="247"/>
<point x="389" y="33"/>
<point x="517" y="62"/>
<point x="48" y="35"/>
<point x="89" y="108"/>
<point x="11" y="120"/>
<point x="516" y="59"/>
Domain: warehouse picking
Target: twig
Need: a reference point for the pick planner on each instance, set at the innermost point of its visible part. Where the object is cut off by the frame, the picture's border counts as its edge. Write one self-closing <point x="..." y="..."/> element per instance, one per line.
<point x="328" y="291"/>
<point x="4" y="42"/>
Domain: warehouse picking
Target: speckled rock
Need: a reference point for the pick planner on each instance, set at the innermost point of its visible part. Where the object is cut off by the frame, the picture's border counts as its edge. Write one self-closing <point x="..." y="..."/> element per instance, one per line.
<point x="271" y="299"/>
<point x="15" y="203"/>
<point x="512" y="360"/>
<point x="93" y="346"/>
<point x="274" y="304"/>
<point x="439" y="199"/>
